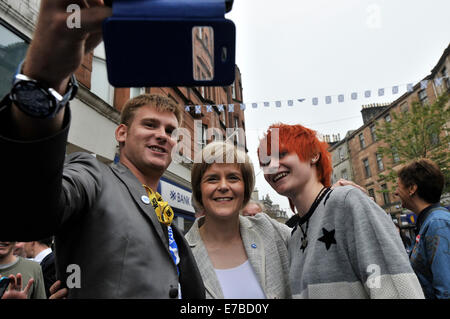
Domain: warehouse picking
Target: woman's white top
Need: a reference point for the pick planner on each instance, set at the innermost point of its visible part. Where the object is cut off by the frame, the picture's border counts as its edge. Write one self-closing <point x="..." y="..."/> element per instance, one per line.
<point x="240" y="282"/>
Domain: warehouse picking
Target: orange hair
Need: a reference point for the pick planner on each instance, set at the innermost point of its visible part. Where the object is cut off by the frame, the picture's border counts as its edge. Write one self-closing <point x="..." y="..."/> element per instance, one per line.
<point x="305" y="143"/>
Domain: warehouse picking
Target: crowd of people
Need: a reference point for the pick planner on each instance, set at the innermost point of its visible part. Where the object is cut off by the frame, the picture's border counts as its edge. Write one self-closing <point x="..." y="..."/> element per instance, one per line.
<point x="339" y="244"/>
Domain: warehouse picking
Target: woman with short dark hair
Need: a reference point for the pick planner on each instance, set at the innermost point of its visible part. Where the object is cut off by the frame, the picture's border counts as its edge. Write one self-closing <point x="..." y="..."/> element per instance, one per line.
<point x="419" y="187"/>
<point x="239" y="257"/>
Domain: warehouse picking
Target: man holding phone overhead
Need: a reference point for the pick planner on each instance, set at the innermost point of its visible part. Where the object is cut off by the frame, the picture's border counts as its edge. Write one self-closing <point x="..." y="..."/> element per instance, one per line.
<point x="139" y="253"/>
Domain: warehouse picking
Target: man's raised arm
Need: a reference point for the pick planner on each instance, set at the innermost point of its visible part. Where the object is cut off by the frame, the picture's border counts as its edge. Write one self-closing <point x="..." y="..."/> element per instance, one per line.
<point x="55" y="53"/>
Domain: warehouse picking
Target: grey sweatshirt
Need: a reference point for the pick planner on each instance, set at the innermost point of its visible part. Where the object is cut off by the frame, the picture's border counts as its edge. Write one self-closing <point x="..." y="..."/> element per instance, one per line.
<point x="353" y="251"/>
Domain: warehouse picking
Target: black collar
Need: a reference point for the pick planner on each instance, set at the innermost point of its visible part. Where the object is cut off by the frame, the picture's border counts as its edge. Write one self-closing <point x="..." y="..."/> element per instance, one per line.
<point x="297" y="220"/>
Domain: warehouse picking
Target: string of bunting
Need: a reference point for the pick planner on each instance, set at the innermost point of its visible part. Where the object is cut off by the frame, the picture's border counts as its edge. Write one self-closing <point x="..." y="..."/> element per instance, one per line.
<point x="314" y="100"/>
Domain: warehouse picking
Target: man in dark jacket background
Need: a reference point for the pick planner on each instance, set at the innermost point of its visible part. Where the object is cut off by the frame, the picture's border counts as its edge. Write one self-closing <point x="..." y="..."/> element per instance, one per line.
<point x="42" y="253"/>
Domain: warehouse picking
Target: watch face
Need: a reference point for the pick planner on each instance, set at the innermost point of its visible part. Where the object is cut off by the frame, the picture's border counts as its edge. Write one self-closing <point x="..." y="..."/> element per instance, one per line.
<point x="32" y="99"/>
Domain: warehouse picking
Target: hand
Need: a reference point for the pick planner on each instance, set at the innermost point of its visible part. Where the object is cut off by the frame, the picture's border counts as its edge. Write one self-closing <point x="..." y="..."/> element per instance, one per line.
<point x="56" y="50"/>
<point x="15" y="288"/>
<point x="56" y="292"/>
<point x="344" y="182"/>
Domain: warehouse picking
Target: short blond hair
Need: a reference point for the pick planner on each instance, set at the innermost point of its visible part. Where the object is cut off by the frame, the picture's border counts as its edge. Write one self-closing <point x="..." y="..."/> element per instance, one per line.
<point x="160" y="102"/>
<point x="221" y="152"/>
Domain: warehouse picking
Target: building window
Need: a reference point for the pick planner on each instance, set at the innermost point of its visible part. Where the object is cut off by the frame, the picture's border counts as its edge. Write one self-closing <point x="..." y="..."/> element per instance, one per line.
<point x="395" y="156"/>
<point x="367" y="168"/>
<point x="344" y="174"/>
<point x="385" y="194"/>
<point x="236" y="127"/>
<point x="99" y="78"/>
<point x="362" y="142"/>
<point x="136" y="92"/>
<point x="201" y="135"/>
<point x="434" y="139"/>
<point x="372" y="194"/>
<point x="404" y="107"/>
<point x="233" y="90"/>
<point x="12" y="51"/>
<point x="446" y="78"/>
<point x="373" y="133"/>
<point x="379" y="162"/>
<point x="341" y="154"/>
<point x="387" y="118"/>
<point x="423" y="97"/>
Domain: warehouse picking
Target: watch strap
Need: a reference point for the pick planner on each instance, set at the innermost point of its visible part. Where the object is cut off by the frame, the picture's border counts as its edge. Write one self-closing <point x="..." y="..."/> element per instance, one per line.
<point x="72" y="86"/>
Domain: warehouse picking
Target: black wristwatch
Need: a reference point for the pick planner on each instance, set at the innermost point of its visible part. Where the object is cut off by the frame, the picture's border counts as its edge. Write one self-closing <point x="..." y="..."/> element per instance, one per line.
<point x="37" y="99"/>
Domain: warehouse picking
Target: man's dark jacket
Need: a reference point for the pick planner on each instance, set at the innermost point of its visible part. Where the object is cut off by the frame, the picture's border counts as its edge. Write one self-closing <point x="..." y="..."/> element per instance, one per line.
<point x="49" y="272"/>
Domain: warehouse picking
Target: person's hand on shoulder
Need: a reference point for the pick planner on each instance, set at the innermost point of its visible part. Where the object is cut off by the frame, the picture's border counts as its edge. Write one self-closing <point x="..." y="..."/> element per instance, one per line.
<point x="344" y="182"/>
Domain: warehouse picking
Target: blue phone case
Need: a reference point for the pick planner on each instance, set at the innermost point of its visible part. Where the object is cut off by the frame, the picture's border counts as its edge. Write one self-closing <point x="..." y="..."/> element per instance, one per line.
<point x="150" y="42"/>
<point x="4" y="283"/>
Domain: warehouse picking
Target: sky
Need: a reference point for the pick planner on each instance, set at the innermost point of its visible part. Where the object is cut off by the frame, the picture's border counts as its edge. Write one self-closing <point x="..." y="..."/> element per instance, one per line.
<point x="298" y="49"/>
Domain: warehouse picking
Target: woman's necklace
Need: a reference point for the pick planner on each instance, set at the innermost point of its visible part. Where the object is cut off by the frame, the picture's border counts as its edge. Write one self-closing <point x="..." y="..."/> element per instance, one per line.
<point x="308" y="215"/>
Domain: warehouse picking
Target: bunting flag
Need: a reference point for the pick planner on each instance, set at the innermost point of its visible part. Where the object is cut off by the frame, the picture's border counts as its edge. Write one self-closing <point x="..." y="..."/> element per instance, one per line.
<point x="423" y="84"/>
<point x="395" y="89"/>
<point x="327" y="99"/>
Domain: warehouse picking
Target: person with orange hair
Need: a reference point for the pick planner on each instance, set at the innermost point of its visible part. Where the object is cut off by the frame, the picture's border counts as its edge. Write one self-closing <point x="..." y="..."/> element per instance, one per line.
<point x="343" y="245"/>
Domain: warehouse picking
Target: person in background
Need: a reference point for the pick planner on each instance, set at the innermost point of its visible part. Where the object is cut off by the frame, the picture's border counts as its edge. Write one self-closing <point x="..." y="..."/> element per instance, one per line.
<point x="419" y="188"/>
<point x="19" y="249"/>
<point x="406" y="241"/>
<point x="27" y="269"/>
<point x="238" y="257"/>
<point x="41" y="253"/>
<point x="252" y="208"/>
<point x="343" y="244"/>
